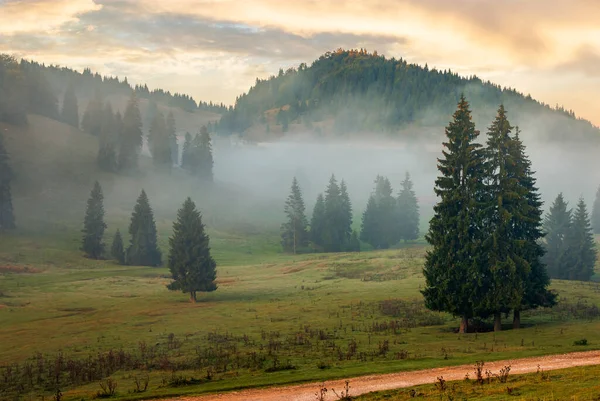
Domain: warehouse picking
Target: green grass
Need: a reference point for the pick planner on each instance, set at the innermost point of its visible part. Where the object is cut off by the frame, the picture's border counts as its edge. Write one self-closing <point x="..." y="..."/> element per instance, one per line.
<point x="576" y="384"/>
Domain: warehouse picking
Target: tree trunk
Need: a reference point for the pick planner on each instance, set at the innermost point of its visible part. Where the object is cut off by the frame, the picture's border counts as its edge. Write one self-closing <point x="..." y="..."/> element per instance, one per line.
<point x="497" y="321"/>
<point x="517" y="319"/>
<point x="464" y="325"/>
<point x="193" y="296"/>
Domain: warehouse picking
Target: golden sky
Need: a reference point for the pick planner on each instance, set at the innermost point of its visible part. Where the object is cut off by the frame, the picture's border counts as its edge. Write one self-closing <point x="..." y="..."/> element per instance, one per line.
<point x="215" y="49"/>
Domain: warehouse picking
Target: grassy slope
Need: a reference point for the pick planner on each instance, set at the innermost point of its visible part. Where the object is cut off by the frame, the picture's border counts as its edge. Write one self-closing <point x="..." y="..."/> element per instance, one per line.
<point x="81" y="306"/>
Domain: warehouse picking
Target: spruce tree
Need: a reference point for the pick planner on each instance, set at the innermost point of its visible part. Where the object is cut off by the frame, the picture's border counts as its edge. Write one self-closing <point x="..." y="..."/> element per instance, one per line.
<point x="453" y="264"/>
<point x="172" y="134"/>
<point x="379" y="227"/>
<point x="93" y="224"/>
<point x="536" y="280"/>
<point x="354" y="243"/>
<point x="596" y="213"/>
<point x="504" y="205"/>
<point x="345" y="215"/>
<point x="294" y="233"/>
<point x="107" y="154"/>
<point x="317" y="223"/>
<point x="160" y="143"/>
<point x="369" y="232"/>
<point x="333" y="238"/>
<point x="117" y="250"/>
<point x="192" y="268"/>
<point x="7" y="216"/>
<point x="70" y="108"/>
<point x="579" y="259"/>
<point x="143" y="249"/>
<point x="557" y="225"/>
<point x="408" y="212"/>
<point x="92" y="117"/>
<point x="131" y="137"/>
<point x="186" y="153"/>
<point x="203" y="158"/>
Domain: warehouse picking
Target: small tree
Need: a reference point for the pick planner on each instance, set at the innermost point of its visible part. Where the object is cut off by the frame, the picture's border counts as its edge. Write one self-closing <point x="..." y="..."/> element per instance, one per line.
<point x="579" y="258"/>
<point x="354" y="243"/>
<point x="557" y="225"/>
<point x="131" y="136"/>
<point x="408" y="211"/>
<point x="70" y="109"/>
<point x="294" y="233"/>
<point x="596" y="213"/>
<point x="143" y="249"/>
<point x="117" y="250"/>
<point x="7" y="216"/>
<point x="192" y="268"/>
<point x="93" y="224"/>
<point x="317" y="222"/>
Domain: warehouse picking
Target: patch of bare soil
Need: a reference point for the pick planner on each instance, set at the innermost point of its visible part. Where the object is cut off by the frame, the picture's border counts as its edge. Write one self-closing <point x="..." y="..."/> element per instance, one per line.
<point x="367" y="384"/>
<point x="18" y="269"/>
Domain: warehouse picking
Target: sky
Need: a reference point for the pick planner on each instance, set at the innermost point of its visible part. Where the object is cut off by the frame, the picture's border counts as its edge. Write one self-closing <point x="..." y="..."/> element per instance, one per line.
<point x="215" y="49"/>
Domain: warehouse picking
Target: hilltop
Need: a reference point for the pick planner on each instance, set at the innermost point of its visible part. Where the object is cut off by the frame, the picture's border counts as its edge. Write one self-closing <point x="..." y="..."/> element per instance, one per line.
<point x="357" y="93"/>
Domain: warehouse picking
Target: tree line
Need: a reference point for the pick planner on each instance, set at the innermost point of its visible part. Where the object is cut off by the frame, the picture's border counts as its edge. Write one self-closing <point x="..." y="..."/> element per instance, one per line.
<point x="487" y="255"/>
<point x="386" y="221"/>
<point x="192" y="267"/>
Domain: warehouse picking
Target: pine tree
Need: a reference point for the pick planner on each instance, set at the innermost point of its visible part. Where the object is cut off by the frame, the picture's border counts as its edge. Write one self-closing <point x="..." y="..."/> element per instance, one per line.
<point x="333" y="233"/>
<point x="131" y="137"/>
<point x="557" y="225"/>
<point x="160" y="143"/>
<point x="70" y="108"/>
<point x="192" y="268"/>
<point x="317" y="222"/>
<point x="143" y="249"/>
<point x="454" y="264"/>
<point x="107" y="154"/>
<point x="294" y="233"/>
<point x="596" y="213"/>
<point x="579" y="259"/>
<point x="370" y="230"/>
<point x="186" y="153"/>
<point x="93" y="224"/>
<point x="536" y="280"/>
<point x="172" y="134"/>
<point x="117" y="250"/>
<point x="345" y="215"/>
<point x="504" y="206"/>
<point x="92" y="117"/>
<point x="203" y="155"/>
<point x="408" y="211"/>
<point x="354" y="243"/>
<point x="379" y="227"/>
<point x="7" y="217"/>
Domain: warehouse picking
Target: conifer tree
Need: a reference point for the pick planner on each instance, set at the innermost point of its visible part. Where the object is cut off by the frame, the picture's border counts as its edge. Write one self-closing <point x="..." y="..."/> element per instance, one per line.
<point x="408" y="211"/>
<point x="379" y="227"/>
<point x="7" y="217"/>
<point x="70" y="108"/>
<point x="143" y="249"/>
<point x="596" y="213"/>
<point x="93" y="224"/>
<point x="131" y="137"/>
<point x="117" y="250"/>
<point x="294" y="233"/>
<point x="453" y="265"/>
<point x="333" y="233"/>
<point x="160" y="143"/>
<point x="172" y="134"/>
<point x="192" y="268"/>
<point x="345" y="214"/>
<point x="354" y="244"/>
<point x="557" y="225"/>
<point x="536" y="280"/>
<point x="317" y="222"/>
<point x="204" y="155"/>
<point x="504" y="205"/>
<point x="369" y="232"/>
<point x="92" y="117"/>
<point x="107" y="154"/>
<point x="579" y="259"/>
<point x="186" y="153"/>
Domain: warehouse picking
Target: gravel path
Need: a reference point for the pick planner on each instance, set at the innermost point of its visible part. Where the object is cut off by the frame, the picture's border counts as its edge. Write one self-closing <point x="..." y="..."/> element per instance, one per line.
<point x="366" y="384"/>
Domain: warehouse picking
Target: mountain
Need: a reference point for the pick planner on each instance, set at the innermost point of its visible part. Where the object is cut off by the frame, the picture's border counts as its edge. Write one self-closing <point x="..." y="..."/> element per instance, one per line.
<point x="350" y="92"/>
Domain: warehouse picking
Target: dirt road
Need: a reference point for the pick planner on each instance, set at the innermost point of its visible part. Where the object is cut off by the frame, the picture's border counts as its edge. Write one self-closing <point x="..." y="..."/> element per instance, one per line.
<point x="366" y="384"/>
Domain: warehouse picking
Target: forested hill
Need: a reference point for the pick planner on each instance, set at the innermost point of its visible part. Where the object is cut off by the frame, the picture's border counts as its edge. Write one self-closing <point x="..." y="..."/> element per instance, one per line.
<point x="345" y="92"/>
<point x="27" y="87"/>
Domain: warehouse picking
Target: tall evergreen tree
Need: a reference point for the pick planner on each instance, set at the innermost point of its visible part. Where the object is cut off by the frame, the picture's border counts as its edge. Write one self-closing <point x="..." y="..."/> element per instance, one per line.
<point x="345" y="215"/>
<point x="557" y="225"/>
<point x="596" y="213"/>
<point x="203" y="155"/>
<point x="160" y="143"/>
<point x="504" y="206"/>
<point x="172" y="134"/>
<point x="143" y="249"/>
<point x="536" y="280"/>
<point x="192" y="268"/>
<point x="93" y="224"/>
<point x="379" y="227"/>
<point x="333" y="233"/>
<point x="408" y="211"/>
<point x="453" y="265"/>
<point x="117" y="250"/>
<point x="354" y="244"/>
<point x="7" y="216"/>
<point x="131" y="137"/>
<point x="107" y="154"/>
<point x="186" y="153"/>
<point x="92" y="117"/>
<point x="317" y="222"/>
<point x="370" y="230"/>
<point x="579" y="259"/>
<point x="294" y="233"/>
<point x="70" y="108"/>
